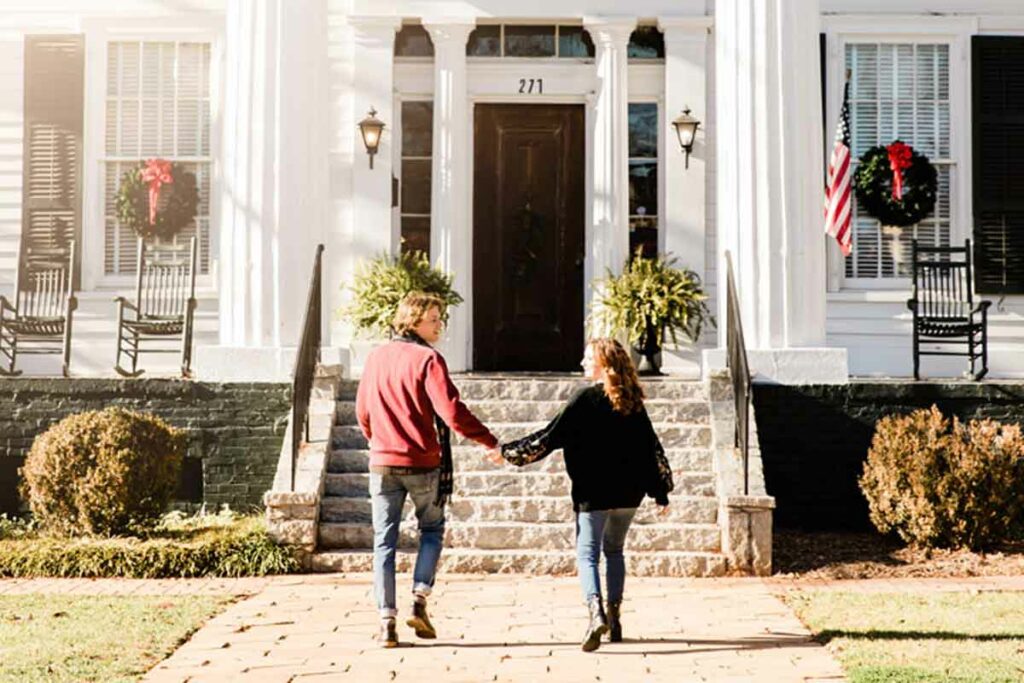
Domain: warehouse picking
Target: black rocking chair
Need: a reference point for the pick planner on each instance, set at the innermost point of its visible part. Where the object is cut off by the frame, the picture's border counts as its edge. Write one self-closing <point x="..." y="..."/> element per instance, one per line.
<point x="165" y="304"/>
<point x="943" y="306"/>
<point x="39" y="320"/>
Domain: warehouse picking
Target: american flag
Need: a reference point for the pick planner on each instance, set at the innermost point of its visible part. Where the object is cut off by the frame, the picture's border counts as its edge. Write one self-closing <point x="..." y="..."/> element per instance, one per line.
<point x="838" y="185"/>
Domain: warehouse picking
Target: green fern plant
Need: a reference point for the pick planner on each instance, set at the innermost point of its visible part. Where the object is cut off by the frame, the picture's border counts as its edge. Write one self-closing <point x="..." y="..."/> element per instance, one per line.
<point x="381" y="283"/>
<point x="651" y="295"/>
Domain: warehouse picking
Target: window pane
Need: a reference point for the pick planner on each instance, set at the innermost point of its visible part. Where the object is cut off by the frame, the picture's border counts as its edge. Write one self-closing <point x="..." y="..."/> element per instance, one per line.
<point x="413" y="41"/>
<point x="643" y="188"/>
<point x="574" y="41"/>
<point x="529" y="41"/>
<point x="646" y="42"/>
<point x="416" y="234"/>
<point x="643" y="129"/>
<point x="416" y="186"/>
<point x="417" y="128"/>
<point x="484" y="41"/>
<point x="643" y="232"/>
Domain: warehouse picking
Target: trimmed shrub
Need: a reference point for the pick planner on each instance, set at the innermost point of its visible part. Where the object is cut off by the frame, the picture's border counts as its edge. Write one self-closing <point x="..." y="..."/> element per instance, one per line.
<point x="102" y="472"/>
<point x="941" y="483"/>
<point x="241" y="548"/>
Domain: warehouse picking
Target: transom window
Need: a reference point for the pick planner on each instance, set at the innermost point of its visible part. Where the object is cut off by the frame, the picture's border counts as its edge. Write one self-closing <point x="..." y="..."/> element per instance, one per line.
<point x="529" y="40"/>
<point x="643" y="178"/>
<point x="899" y="91"/>
<point x="157" y="105"/>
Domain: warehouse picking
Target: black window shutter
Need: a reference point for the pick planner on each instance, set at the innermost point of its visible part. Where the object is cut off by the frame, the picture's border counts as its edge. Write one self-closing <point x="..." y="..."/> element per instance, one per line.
<point x="998" y="115"/>
<point x="52" y="181"/>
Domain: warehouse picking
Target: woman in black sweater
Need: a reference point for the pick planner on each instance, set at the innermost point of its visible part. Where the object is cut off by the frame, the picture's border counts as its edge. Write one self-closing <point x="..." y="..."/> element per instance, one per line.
<point x="613" y="458"/>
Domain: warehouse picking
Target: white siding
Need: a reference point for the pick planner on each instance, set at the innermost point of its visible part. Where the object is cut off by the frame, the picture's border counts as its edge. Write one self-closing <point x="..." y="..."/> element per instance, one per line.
<point x="12" y="65"/>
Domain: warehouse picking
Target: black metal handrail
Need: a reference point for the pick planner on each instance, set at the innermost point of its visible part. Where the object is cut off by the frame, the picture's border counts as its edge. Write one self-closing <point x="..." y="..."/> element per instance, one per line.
<point x="306" y="359"/>
<point x="739" y="371"/>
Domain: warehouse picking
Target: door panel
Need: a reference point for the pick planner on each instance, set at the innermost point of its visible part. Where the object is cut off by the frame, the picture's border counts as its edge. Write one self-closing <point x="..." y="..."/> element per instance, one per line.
<point x="528" y="237"/>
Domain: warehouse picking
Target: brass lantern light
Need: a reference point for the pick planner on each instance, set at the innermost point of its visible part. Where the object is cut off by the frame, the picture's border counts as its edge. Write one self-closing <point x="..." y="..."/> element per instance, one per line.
<point x="371" y="128"/>
<point x="686" y="129"/>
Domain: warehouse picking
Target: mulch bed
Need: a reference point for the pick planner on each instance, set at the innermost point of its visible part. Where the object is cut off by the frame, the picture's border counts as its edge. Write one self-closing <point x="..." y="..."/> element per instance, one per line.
<point x="830" y="555"/>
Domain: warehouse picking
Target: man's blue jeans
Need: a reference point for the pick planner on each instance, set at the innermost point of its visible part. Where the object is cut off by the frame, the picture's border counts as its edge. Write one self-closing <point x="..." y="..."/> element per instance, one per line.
<point x="387" y="495"/>
<point x="596" y="530"/>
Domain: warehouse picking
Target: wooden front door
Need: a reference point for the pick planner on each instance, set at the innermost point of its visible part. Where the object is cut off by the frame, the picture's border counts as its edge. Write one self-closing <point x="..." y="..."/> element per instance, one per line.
<point x="528" y="239"/>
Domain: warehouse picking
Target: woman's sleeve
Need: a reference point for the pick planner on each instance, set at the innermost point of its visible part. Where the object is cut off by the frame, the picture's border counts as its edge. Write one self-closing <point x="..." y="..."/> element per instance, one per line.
<point x="543" y="442"/>
<point x="659" y="479"/>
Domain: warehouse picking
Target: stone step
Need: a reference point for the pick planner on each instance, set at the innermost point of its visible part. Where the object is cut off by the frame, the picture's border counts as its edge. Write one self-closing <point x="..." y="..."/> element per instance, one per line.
<point x="349" y="437"/>
<point x="496" y="412"/>
<point x="533" y="562"/>
<point x="534" y="509"/>
<point x="512" y="484"/>
<point x="558" y="388"/>
<point x="523" y="535"/>
<point x="471" y="459"/>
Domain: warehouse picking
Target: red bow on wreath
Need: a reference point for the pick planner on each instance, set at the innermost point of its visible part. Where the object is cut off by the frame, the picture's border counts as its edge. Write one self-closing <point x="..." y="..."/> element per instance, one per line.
<point x="156" y="173"/>
<point x="899" y="159"/>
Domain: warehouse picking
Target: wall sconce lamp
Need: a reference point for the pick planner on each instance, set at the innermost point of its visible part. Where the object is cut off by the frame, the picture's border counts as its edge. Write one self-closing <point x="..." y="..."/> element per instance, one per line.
<point x="370" y="128"/>
<point x="686" y="128"/>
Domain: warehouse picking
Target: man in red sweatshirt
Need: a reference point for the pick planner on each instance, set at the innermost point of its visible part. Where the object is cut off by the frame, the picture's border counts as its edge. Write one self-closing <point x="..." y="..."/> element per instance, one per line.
<point x="405" y="404"/>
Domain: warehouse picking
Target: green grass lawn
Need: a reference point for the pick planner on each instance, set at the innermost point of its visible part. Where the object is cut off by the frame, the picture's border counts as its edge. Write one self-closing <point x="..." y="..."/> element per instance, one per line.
<point x="80" y="638"/>
<point x="898" y="638"/>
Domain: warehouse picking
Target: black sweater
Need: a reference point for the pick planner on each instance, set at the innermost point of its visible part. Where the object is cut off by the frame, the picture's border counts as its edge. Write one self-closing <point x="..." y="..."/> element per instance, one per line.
<point x="611" y="458"/>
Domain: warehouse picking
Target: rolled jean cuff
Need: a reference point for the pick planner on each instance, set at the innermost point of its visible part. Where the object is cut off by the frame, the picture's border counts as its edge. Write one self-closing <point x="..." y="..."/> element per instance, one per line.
<point x="422" y="589"/>
<point x="388" y="612"/>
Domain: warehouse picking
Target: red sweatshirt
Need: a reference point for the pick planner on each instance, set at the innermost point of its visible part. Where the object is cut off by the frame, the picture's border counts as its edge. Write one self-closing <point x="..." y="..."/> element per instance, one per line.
<point x="403" y="386"/>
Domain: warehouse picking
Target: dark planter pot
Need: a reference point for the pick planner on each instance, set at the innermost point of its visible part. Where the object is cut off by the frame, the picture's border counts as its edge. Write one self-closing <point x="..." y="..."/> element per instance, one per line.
<point x="650" y="354"/>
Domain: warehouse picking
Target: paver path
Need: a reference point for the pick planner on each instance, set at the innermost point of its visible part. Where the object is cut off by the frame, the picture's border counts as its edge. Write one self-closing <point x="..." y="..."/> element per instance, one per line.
<point x="504" y="628"/>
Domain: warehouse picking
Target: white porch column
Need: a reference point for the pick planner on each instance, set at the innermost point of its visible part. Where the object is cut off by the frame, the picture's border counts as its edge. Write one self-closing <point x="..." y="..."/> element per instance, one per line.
<point x="451" y="239"/>
<point x="608" y="232"/>
<point x="373" y="86"/>
<point x="769" y="190"/>
<point x="272" y="192"/>
<point x="685" y="188"/>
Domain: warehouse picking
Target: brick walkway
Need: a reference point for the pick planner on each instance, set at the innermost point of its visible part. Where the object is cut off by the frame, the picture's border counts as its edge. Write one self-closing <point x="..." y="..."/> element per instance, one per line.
<point x="500" y="628"/>
<point x="504" y="628"/>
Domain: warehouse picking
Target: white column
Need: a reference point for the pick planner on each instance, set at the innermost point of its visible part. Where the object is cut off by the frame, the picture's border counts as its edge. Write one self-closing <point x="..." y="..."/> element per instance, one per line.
<point x="373" y="86"/>
<point x="272" y="189"/>
<point x="451" y="239"/>
<point x="685" y="188"/>
<point x="608" y="234"/>
<point x="769" y="190"/>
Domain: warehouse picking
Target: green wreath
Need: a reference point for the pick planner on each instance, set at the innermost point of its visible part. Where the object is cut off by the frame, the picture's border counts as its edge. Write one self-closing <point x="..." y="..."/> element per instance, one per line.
<point x="874" y="179"/>
<point x="176" y="208"/>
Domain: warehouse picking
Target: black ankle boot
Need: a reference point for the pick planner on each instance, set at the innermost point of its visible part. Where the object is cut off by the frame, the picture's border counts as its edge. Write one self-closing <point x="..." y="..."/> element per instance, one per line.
<point x="614" y="624"/>
<point x="597" y="627"/>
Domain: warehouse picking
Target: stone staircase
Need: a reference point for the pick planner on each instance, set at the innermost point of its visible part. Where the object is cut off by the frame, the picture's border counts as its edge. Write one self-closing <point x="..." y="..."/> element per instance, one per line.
<point x="506" y="519"/>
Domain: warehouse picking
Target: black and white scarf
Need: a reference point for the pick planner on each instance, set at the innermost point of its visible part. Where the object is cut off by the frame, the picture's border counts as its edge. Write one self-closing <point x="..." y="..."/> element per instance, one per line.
<point x="444" y="438"/>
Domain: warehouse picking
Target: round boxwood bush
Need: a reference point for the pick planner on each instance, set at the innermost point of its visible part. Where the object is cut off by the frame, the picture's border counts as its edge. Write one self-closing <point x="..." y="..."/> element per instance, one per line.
<point x="942" y="483"/>
<point x="103" y="472"/>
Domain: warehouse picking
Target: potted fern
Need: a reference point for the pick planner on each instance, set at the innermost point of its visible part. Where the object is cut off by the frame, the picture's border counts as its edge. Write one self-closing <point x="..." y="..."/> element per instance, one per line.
<point x="381" y="283"/>
<point x="651" y="297"/>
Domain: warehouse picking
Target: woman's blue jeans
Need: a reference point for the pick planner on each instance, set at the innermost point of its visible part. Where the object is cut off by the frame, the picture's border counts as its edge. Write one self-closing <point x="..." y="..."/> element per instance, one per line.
<point x="597" y="530"/>
<point x="387" y="495"/>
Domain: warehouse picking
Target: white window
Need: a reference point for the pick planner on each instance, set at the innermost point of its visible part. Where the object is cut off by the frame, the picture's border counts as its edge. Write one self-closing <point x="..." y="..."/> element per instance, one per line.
<point x="899" y="91"/>
<point x="157" y="105"/>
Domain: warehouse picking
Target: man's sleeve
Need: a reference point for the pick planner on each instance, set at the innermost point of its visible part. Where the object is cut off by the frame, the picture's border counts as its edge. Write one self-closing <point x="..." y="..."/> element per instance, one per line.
<point x="362" y="411"/>
<point x="449" y="407"/>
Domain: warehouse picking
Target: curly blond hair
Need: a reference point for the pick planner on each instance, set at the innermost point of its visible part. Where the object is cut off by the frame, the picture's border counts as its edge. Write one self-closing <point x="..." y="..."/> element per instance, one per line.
<point x="413" y="308"/>
<point x="621" y="384"/>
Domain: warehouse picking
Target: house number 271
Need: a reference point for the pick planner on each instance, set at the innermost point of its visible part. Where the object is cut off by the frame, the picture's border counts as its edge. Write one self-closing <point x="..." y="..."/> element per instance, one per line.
<point x="529" y="86"/>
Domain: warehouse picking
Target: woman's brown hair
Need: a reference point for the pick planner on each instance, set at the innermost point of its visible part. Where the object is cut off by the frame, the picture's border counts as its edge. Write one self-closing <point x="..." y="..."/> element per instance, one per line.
<point x="413" y="308"/>
<point x="621" y="385"/>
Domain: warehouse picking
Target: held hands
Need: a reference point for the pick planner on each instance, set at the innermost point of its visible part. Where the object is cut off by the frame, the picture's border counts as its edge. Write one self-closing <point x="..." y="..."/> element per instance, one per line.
<point x="494" y="455"/>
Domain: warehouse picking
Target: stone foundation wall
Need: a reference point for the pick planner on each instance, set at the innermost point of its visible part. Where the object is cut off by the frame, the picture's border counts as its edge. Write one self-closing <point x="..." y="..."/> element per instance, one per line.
<point x="814" y="439"/>
<point x="235" y="429"/>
